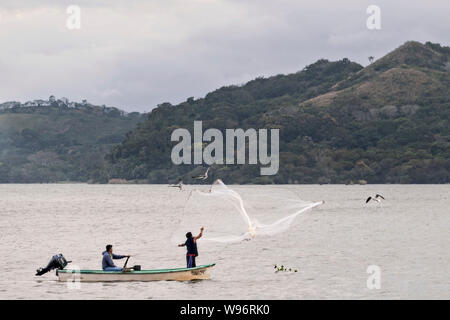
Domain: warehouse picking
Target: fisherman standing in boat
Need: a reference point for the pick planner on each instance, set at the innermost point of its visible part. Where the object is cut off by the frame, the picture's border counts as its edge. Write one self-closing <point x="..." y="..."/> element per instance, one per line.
<point x="108" y="256"/>
<point x="191" y="246"/>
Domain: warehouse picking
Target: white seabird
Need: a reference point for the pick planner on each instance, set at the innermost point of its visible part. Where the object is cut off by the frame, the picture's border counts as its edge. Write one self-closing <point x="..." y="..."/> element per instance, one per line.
<point x="377" y="198"/>
<point x="178" y="185"/>
<point x="202" y="176"/>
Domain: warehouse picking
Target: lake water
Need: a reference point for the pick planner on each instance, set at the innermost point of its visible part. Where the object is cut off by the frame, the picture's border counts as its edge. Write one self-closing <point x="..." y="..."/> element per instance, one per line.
<point x="407" y="237"/>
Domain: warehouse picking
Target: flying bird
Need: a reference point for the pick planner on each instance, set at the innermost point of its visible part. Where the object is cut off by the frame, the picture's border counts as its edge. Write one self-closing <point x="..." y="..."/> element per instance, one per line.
<point x="377" y="198"/>
<point x="178" y="185"/>
<point x="202" y="176"/>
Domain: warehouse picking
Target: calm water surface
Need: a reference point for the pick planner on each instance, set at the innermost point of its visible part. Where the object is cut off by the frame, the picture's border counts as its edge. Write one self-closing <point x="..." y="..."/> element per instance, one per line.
<point x="331" y="246"/>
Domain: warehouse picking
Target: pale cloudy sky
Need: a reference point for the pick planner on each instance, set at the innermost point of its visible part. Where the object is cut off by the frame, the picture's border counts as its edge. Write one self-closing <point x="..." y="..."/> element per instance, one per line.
<point x="136" y="54"/>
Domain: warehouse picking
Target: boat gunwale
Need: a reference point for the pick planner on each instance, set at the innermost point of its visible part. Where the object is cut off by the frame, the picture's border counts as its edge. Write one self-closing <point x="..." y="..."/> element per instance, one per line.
<point x="154" y="271"/>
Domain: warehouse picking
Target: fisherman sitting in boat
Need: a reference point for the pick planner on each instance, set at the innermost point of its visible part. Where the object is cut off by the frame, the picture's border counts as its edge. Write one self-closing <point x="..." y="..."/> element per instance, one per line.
<point x="108" y="256"/>
<point x="191" y="246"/>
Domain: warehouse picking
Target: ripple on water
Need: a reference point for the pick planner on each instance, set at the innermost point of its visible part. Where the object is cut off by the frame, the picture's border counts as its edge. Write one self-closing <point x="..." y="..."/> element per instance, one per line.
<point x="331" y="246"/>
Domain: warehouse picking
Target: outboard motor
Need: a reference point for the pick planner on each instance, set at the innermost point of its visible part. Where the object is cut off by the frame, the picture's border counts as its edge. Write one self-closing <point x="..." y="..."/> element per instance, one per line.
<point x="56" y="262"/>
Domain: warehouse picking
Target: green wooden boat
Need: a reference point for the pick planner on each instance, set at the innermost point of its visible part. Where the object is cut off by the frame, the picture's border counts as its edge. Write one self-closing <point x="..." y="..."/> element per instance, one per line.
<point x="177" y="274"/>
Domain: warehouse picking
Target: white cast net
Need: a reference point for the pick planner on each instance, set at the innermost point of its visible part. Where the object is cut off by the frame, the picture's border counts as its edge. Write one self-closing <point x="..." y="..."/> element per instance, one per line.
<point x="229" y="217"/>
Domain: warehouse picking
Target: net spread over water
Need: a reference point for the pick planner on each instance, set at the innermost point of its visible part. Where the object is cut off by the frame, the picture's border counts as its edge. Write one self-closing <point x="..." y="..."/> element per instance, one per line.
<point x="219" y="207"/>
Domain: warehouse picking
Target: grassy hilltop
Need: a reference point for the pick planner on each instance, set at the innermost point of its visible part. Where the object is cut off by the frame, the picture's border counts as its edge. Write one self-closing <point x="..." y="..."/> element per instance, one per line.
<point x="339" y="122"/>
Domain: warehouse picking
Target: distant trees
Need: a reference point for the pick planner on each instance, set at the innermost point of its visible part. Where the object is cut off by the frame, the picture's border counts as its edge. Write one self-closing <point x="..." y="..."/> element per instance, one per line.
<point x="339" y="143"/>
<point x="50" y="144"/>
<point x="389" y="126"/>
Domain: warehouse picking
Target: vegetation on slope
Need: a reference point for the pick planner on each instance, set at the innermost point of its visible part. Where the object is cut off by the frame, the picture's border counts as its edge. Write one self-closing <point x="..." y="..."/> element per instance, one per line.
<point x="54" y="144"/>
<point x="339" y="122"/>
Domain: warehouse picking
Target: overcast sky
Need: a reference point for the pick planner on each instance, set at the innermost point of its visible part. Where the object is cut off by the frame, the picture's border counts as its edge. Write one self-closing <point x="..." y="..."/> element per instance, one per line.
<point x="136" y="54"/>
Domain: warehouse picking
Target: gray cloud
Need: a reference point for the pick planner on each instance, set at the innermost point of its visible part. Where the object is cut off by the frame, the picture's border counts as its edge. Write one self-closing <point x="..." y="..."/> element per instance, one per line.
<point x="137" y="54"/>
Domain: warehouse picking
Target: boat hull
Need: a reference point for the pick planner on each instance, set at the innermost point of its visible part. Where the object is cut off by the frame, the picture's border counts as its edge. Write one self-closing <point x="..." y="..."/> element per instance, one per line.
<point x="180" y="274"/>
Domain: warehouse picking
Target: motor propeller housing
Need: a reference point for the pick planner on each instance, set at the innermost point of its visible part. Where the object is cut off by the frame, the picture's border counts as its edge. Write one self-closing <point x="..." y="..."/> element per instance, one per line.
<point x="56" y="262"/>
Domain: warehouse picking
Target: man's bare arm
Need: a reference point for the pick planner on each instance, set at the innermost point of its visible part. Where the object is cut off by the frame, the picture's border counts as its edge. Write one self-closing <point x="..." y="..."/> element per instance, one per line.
<point x="199" y="235"/>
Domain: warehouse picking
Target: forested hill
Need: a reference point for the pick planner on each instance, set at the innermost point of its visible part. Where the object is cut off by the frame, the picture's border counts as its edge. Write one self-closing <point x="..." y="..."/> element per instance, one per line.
<point x="56" y="140"/>
<point x="339" y="123"/>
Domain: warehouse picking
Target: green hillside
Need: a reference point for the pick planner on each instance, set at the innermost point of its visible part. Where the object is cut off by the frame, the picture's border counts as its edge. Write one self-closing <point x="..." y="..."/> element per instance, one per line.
<point x="55" y="143"/>
<point x="339" y="123"/>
